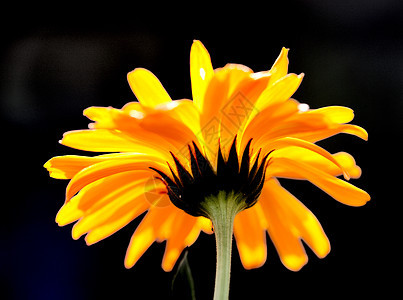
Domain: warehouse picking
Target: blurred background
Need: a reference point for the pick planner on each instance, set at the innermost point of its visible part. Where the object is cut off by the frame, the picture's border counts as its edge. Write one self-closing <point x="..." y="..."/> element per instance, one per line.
<point x="57" y="61"/>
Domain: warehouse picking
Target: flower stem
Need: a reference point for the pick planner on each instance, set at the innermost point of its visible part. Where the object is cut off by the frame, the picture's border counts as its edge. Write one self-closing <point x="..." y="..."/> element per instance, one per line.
<point x="222" y="210"/>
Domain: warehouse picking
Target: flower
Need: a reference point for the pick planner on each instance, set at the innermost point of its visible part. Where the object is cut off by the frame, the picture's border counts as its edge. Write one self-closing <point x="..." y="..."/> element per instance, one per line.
<point x="241" y="132"/>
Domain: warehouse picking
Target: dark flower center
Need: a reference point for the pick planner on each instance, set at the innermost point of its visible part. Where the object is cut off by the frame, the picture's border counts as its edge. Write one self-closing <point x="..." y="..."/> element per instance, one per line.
<point x="188" y="190"/>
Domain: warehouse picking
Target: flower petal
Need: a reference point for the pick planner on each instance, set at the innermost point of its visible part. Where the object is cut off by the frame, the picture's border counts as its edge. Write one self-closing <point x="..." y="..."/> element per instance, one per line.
<point x="103" y="140"/>
<point x="106" y="168"/>
<point x="97" y="194"/>
<point x="280" y="91"/>
<point x="280" y="66"/>
<point x="113" y="203"/>
<point x="340" y="190"/>
<point x="302" y="223"/>
<point x="201" y="72"/>
<point x="148" y="231"/>
<point x="113" y="224"/>
<point x="184" y="232"/>
<point x="315" y="160"/>
<point x="334" y="114"/>
<point x="287" y="142"/>
<point x="288" y="245"/>
<point x="147" y="88"/>
<point x="250" y="238"/>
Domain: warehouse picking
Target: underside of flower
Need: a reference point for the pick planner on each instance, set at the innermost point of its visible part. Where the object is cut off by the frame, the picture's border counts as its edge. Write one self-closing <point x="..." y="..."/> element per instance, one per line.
<point x="189" y="190"/>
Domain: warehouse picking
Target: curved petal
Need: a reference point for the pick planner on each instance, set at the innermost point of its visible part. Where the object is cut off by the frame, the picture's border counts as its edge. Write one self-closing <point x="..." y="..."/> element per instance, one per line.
<point x="288" y="245"/>
<point x="218" y="94"/>
<point x="110" y="167"/>
<point x="280" y="66"/>
<point x="340" y="190"/>
<point x="148" y="231"/>
<point x="287" y="142"/>
<point x="184" y="232"/>
<point x="99" y="193"/>
<point x="67" y="166"/>
<point x="250" y="238"/>
<point x="334" y="114"/>
<point x="128" y="198"/>
<point x="104" y="140"/>
<point x="321" y="134"/>
<point x="281" y="90"/>
<point x="114" y="223"/>
<point x="302" y="224"/>
<point x="201" y="72"/>
<point x="266" y="119"/>
<point x="147" y="88"/>
<point x="184" y="111"/>
<point x="315" y="160"/>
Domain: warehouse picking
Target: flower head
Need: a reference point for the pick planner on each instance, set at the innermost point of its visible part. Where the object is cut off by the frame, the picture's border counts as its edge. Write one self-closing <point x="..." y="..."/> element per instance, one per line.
<point x="241" y="132"/>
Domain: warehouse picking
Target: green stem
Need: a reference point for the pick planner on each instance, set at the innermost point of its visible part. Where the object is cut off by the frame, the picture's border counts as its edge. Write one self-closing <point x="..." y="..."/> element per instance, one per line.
<point x="222" y="210"/>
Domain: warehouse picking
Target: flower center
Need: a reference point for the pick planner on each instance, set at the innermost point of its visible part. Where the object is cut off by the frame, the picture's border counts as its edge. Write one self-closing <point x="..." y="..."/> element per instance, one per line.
<point x="189" y="190"/>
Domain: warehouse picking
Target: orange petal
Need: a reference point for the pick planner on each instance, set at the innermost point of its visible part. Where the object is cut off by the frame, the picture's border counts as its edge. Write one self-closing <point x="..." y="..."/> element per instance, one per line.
<point x="106" y="168"/>
<point x="334" y="114"/>
<point x="100" y="140"/>
<point x="288" y="245"/>
<point x="250" y="238"/>
<point x="201" y="72"/>
<point x="111" y="203"/>
<point x="65" y="167"/>
<point x="302" y="221"/>
<point x="147" y="232"/>
<point x="266" y="119"/>
<point x="183" y="232"/>
<point x="280" y="66"/>
<point x="316" y="160"/>
<point x="340" y="190"/>
<point x="287" y="142"/>
<point x="113" y="224"/>
<point x="184" y="111"/>
<point x="280" y="91"/>
<point x="97" y="194"/>
<point x="147" y="88"/>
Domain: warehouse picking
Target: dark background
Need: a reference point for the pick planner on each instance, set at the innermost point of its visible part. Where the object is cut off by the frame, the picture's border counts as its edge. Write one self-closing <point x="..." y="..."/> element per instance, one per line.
<point x="56" y="61"/>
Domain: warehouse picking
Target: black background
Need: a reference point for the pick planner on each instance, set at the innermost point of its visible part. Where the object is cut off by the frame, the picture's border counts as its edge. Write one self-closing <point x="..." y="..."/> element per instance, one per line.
<point x="56" y="61"/>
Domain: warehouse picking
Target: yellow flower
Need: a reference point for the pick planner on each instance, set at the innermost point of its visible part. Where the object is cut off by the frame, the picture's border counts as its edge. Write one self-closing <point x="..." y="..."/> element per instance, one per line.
<point x="240" y="133"/>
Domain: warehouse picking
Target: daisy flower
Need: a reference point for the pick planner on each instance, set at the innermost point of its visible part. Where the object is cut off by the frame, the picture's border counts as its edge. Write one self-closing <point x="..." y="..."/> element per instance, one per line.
<point x="209" y="164"/>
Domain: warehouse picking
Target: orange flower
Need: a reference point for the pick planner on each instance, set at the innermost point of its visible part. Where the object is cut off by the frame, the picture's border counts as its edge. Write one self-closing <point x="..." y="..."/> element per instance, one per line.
<point x="240" y="133"/>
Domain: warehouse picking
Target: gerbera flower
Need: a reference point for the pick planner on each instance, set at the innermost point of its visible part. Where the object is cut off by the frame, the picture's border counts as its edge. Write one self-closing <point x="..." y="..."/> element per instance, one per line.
<point x="181" y="161"/>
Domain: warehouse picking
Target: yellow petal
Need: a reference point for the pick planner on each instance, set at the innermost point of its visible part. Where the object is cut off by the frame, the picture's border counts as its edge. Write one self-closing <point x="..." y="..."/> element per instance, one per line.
<point x="68" y="213"/>
<point x="107" y="168"/>
<point x="183" y="232"/>
<point x="99" y="140"/>
<point x="280" y="91"/>
<point x="147" y="88"/>
<point x="316" y="160"/>
<point x="147" y="232"/>
<point x="286" y="142"/>
<point x="65" y="167"/>
<point x="250" y="238"/>
<point x="334" y="114"/>
<point x="111" y="203"/>
<point x="266" y="119"/>
<point x="340" y="190"/>
<point x="205" y="225"/>
<point x="288" y="245"/>
<point x="303" y="223"/>
<point x="113" y="224"/>
<point x="280" y="66"/>
<point x="201" y="72"/>
<point x="223" y="84"/>
<point x="98" y="194"/>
